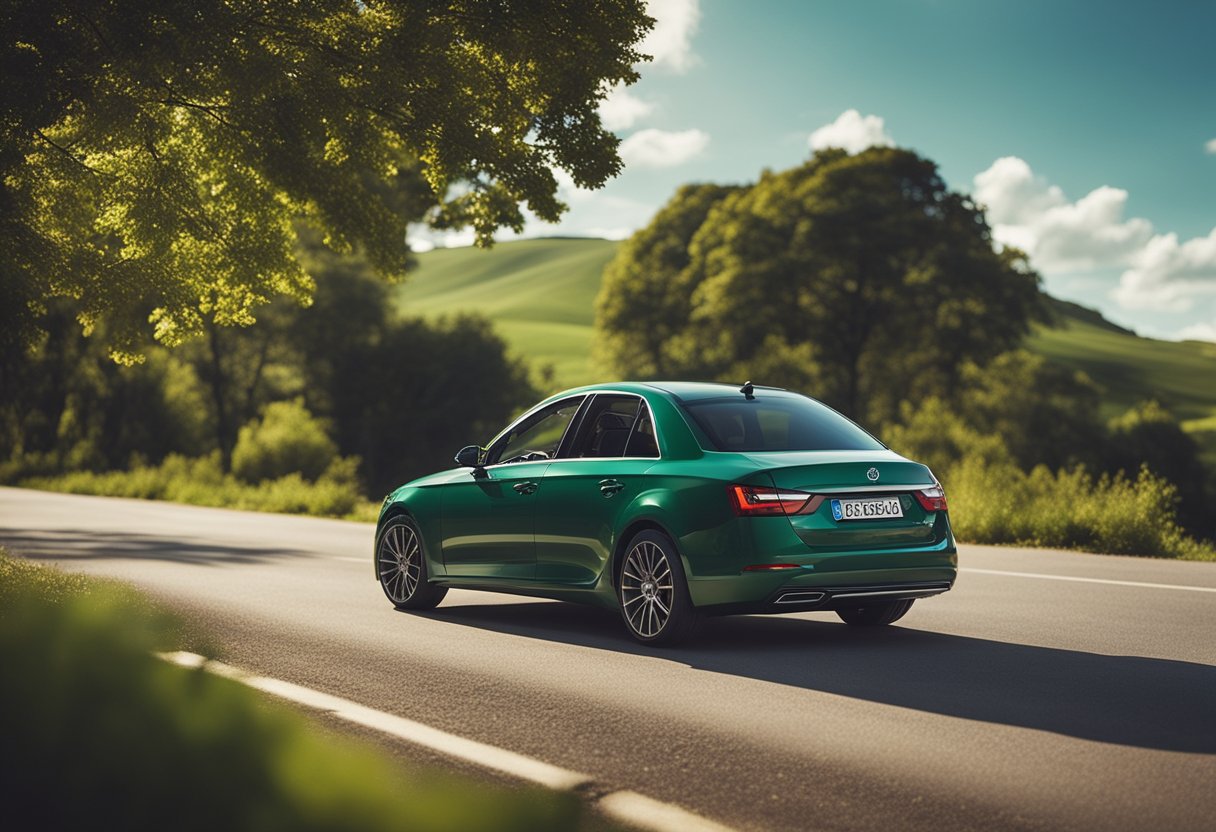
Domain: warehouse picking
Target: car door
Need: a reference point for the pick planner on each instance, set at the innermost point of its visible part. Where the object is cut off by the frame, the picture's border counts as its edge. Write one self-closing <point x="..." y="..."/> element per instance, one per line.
<point x="487" y="520"/>
<point x="583" y="493"/>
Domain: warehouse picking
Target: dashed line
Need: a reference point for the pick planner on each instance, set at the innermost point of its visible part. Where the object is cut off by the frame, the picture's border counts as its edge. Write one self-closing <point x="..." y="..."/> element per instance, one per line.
<point x="1041" y="576"/>
<point x="623" y="805"/>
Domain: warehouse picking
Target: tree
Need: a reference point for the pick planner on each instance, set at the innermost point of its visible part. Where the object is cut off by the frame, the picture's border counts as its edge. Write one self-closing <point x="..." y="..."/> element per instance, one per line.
<point x="861" y="279"/>
<point x="156" y="157"/>
<point x="643" y="302"/>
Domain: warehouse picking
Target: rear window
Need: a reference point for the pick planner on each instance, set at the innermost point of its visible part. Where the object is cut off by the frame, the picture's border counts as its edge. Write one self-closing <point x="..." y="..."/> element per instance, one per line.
<point x="777" y="423"/>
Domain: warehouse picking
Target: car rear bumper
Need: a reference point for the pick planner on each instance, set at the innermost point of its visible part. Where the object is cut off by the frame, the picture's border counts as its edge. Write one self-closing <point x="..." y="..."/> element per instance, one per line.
<point x="795" y="598"/>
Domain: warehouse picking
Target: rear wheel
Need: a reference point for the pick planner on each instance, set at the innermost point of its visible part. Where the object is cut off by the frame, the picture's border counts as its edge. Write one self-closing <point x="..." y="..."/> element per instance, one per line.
<point x="875" y="615"/>
<point x="653" y="591"/>
<point x="402" y="567"/>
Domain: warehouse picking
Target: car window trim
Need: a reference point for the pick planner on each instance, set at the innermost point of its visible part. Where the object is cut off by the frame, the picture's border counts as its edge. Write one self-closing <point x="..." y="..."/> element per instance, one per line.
<point x="587" y="397"/>
<point x="583" y="413"/>
<point x="528" y="414"/>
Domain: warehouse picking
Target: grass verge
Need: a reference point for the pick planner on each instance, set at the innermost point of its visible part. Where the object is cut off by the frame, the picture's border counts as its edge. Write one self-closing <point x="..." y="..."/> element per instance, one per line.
<point x="200" y="481"/>
<point x="99" y="733"/>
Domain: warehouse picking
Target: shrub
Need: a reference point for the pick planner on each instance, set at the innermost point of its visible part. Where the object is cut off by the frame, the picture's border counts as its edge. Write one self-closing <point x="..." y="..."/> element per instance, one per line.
<point x="201" y="481"/>
<point x="286" y="440"/>
<point x="1068" y="509"/>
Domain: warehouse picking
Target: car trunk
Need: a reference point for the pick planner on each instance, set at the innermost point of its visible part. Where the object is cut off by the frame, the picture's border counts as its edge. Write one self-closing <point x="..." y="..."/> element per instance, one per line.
<point x="847" y="476"/>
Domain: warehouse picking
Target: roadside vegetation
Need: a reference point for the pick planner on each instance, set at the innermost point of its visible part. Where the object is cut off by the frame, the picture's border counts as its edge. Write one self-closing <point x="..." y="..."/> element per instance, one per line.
<point x="97" y="731"/>
<point x="1048" y="425"/>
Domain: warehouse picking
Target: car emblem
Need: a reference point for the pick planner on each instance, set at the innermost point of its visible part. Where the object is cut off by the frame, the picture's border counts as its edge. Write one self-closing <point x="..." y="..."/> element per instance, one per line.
<point x="872" y="475"/>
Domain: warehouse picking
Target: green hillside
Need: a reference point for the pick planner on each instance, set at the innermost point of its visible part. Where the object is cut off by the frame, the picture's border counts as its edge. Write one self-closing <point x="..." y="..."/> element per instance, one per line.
<point x="541" y="295"/>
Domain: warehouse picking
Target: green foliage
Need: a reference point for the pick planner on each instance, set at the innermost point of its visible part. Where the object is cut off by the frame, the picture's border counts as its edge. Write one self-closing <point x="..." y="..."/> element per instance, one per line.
<point x="1039" y="412"/>
<point x="643" y="303"/>
<point x="287" y="439"/>
<point x="1069" y="509"/>
<point x="861" y="279"/>
<point x="157" y="158"/>
<point x="99" y="733"/>
<point x="1149" y="435"/>
<point x="202" y="481"/>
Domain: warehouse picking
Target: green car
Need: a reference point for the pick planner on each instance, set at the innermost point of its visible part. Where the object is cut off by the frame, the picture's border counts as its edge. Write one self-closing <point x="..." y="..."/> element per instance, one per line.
<point x="674" y="500"/>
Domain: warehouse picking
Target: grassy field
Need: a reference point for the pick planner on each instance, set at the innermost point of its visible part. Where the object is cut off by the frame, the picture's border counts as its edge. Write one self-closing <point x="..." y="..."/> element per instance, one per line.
<point x="539" y="293"/>
<point x="541" y="296"/>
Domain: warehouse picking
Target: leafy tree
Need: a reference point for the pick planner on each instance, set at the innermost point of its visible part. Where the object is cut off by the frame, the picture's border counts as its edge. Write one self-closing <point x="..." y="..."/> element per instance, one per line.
<point x="643" y="303"/>
<point x="860" y="278"/>
<point x="1149" y="435"/>
<point x="155" y="158"/>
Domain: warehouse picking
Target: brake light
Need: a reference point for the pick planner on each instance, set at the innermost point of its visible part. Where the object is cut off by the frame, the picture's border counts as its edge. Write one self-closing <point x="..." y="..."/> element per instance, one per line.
<point x="759" y="500"/>
<point x="932" y="499"/>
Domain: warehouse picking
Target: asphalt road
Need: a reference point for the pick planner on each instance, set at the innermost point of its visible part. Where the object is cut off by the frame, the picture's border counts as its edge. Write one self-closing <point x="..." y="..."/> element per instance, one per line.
<point x="1017" y="701"/>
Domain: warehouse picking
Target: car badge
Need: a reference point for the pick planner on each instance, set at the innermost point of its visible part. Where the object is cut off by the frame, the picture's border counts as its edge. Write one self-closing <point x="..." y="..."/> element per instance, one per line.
<point x="872" y="475"/>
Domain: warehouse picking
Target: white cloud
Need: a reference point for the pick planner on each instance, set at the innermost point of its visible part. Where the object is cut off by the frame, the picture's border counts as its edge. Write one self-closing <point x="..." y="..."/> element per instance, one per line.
<point x="1198" y="332"/>
<point x="853" y="132"/>
<point x="621" y="109"/>
<point x="1027" y="212"/>
<point x="1210" y="146"/>
<point x="653" y="148"/>
<point x="1170" y="275"/>
<point x="669" y="43"/>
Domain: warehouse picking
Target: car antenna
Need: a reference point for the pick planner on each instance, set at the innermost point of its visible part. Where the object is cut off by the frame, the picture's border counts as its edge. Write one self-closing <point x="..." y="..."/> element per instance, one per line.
<point x="747" y="390"/>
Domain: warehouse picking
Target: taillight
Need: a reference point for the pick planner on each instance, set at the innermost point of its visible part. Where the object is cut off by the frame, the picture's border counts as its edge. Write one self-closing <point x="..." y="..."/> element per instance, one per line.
<point x="931" y="499"/>
<point x="759" y="500"/>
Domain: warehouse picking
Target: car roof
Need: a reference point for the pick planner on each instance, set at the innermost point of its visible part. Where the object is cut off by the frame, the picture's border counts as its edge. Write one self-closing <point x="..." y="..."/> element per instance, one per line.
<point x="681" y="390"/>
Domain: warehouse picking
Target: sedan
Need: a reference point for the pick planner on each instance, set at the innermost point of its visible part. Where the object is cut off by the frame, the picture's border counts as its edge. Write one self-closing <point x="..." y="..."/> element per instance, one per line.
<point x="671" y="501"/>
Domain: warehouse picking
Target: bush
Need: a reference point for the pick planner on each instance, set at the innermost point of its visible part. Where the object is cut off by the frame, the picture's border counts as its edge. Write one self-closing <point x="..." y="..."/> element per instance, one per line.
<point x="201" y="481"/>
<point x="1068" y="509"/>
<point x="100" y="734"/>
<point x="286" y="440"/>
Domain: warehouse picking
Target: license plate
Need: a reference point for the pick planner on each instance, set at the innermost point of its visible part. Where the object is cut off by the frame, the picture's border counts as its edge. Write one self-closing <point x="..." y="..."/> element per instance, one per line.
<point x="876" y="508"/>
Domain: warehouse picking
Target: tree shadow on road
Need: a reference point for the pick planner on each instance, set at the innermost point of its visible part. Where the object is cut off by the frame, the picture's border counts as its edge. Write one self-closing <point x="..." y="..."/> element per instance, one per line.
<point x="1125" y="700"/>
<point x="86" y="544"/>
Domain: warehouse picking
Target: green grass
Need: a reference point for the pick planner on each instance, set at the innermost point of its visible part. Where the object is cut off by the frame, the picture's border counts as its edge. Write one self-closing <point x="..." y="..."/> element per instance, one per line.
<point x="200" y="481"/>
<point x="100" y="734"/>
<point x="541" y="294"/>
<point x="1179" y="375"/>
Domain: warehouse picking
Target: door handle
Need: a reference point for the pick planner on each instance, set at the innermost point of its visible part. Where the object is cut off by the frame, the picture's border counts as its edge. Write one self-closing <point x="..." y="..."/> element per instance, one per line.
<point x="610" y="487"/>
<point x="525" y="487"/>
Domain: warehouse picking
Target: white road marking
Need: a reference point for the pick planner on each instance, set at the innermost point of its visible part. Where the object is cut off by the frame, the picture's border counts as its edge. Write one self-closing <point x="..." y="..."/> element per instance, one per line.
<point x="1088" y="580"/>
<point x="627" y="806"/>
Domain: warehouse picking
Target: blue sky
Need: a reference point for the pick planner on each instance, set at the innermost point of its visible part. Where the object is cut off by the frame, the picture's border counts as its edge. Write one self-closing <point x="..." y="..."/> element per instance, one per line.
<point x="1087" y="128"/>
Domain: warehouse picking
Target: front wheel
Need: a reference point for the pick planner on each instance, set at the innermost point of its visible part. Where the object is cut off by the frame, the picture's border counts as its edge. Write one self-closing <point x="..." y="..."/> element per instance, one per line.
<point x="402" y="567"/>
<point x="653" y="591"/>
<point x="875" y="615"/>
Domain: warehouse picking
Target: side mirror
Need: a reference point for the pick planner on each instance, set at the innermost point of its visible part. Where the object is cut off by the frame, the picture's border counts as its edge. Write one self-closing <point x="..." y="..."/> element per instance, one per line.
<point x="470" y="457"/>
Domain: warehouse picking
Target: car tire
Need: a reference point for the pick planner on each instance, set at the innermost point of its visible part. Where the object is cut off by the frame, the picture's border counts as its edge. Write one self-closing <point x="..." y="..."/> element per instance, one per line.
<point x="875" y="615"/>
<point x="401" y="567"/>
<point x="653" y="591"/>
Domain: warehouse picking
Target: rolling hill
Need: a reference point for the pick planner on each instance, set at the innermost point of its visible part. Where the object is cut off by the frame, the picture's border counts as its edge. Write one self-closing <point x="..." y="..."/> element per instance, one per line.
<point x="541" y="295"/>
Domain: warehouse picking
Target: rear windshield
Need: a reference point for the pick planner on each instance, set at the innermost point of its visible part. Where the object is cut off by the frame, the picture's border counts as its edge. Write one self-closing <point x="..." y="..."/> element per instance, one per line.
<point x="777" y="423"/>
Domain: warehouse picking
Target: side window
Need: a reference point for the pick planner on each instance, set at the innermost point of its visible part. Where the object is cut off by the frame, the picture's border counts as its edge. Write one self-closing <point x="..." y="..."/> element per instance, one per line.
<point x="643" y="442"/>
<point x="612" y="426"/>
<point x="536" y="438"/>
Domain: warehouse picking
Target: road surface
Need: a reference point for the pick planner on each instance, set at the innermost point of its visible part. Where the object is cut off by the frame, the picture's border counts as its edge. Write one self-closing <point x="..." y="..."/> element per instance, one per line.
<point x="1049" y="690"/>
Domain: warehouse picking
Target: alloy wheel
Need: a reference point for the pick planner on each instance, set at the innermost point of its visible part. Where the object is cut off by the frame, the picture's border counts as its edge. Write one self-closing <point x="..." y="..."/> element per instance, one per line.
<point x="400" y="563"/>
<point x="647" y="589"/>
